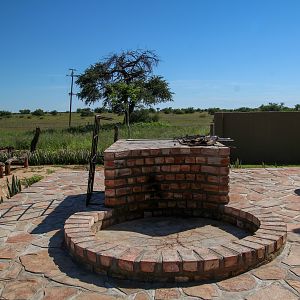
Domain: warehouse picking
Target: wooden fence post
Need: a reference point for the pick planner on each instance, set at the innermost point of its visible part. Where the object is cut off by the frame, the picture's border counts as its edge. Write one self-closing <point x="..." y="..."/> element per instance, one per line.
<point x="116" y="136"/>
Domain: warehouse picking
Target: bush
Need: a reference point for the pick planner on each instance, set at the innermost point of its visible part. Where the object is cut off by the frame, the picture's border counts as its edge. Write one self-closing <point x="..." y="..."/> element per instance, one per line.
<point x="212" y="110"/>
<point x="5" y="113"/>
<point x="86" y="112"/>
<point x="24" y="111"/>
<point x="189" y="110"/>
<point x="38" y="112"/>
<point x="178" y="111"/>
<point x="100" y="110"/>
<point x="167" y="110"/>
<point x="53" y="112"/>
<point x="143" y="116"/>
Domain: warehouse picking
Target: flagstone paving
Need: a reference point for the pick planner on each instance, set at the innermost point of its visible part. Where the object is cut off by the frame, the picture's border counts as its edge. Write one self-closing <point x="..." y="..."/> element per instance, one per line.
<point x="34" y="264"/>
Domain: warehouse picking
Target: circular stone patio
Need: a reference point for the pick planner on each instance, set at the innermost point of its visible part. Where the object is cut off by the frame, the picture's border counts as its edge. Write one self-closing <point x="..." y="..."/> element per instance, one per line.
<point x="167" y="233"/>
<point x="34" y="264"/>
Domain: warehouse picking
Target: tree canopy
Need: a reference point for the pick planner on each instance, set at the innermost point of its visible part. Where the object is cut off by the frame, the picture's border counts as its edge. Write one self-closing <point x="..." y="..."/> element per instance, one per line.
<point x="123" y="81"/>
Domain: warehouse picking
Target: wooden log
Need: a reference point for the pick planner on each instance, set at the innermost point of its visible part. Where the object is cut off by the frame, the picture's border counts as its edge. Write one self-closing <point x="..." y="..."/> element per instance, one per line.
<point x="35" y="139"/>
<point x="26" y="162"/>
<point x="116" y="136"/>
<point x="7" y="168"/>
<point x="1" y="170"/>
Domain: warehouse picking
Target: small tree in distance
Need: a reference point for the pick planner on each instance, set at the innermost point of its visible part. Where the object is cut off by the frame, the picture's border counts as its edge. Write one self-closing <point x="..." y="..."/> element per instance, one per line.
<point x="123" y="81"/>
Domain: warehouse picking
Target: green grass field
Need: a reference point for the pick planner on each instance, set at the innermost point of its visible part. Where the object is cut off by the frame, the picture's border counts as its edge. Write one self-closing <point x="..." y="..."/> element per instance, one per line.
<point x="57" y="140"/>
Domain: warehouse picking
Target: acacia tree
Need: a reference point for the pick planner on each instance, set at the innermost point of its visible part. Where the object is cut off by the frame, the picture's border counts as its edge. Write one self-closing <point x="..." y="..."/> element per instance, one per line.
<point x="122" y="81"/>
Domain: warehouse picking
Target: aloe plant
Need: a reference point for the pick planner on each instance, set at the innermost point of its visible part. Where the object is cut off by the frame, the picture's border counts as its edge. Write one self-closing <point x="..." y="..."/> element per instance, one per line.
<point x="14" y="187"/>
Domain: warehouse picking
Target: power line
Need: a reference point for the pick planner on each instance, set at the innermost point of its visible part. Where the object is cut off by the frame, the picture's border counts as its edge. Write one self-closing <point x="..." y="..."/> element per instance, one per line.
<point x="72" y="75"/>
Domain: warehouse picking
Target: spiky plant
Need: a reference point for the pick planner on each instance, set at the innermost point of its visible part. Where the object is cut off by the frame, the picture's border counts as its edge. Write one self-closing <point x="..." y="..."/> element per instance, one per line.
<point x="14" y="187"/>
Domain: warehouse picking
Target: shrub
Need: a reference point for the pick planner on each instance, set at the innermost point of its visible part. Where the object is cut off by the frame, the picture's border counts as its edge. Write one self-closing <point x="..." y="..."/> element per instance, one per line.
<point x="53" y="112"/>
<point x="212" y="110"/>
<point x="100" y="110"/>
<point x="178" y="111"/>
<point x="143" y="116"/>
<point x="5" y="113"/>
<point x="38" y="112"/>
<point x="24" y="111"/>
<point x="86" y="112"/>
<point x="31" y="180"/>
<point x="189" y="110"/>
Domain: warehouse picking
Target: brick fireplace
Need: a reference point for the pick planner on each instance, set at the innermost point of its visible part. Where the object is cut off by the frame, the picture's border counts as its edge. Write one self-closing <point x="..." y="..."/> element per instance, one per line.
<point x="157" y="174"/>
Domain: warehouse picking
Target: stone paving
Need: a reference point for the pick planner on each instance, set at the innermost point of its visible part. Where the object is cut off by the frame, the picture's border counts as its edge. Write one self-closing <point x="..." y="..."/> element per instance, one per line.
<point x="165" y="233"/>
<point x="34" y="264"/>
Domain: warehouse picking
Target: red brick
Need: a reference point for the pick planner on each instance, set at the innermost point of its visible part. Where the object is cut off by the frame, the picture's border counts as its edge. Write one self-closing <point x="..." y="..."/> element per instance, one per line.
<point x="121" y="154"/>
<point x="141" y="179"/>
<point x="200" y="177"/>
<point x="139" y="197"/>
<point x="165" y="151"/>
<point x="213" y="179"/>
<point x="123" y="191"/>
<point x="247" y="254"/>
<point x="109" y="155"/>
<point x="137" y="189"/>
<point x="200" y="159"/>
<point x="224" y="170"/>
<point x="218" y="161"/>
<point x="230" y="257"/>
<point x="169" y="160"/>
<point x="149" y="260"/>
<point x="260" y="250"/>
<point x="155" y="152"/>
<point x="131" y="180"/>
<point x="179" y="160"/>
<point x="110" y="192"/>
<point x="210" y="169"/>
<point x="180" y="176"/>
<point x="210" y="187"/>
<point x="170" y="261"/>
<point x="195" y="168"/>
<point x="270" y="245"/>
<point x="109" y="163"/>
<point x="165" y="168"/>
<point x="210" y="260"/>
<point x="159" y="160"/>
<point x="149" y="161"/>
<point x="130" y="162"/>
<point x="170" y="176"/>
<point x="185" y="168"/>
<point x="145" y="152"/>
<point x="191" y="204"/>
<point x="123" y="172"/>
<point x="211" y="151"/>
<point x="106" y="257"/>
<point x="136" y="171"/>
<point x="135" y="153"/>
<point x="224" y="151"/>
<point x="126" y="261"/>
<point x="146" y="170"/>
<point x="175" y="168"/>
<point x="190" y="177"/>
<point x="189" y="260"/>
<point x="139" y="162"/>
<point x="109" y="174"/>
<point x="190" y="160"/>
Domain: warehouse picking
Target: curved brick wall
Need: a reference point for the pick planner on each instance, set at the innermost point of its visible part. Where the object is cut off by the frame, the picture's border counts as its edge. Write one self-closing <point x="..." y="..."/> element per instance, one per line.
<point x="147" y="175"/>
<point x="183" y="265"/>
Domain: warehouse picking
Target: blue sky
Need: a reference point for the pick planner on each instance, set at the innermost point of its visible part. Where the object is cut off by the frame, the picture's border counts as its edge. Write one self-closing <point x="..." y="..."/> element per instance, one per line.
<point x="214" y="53"/>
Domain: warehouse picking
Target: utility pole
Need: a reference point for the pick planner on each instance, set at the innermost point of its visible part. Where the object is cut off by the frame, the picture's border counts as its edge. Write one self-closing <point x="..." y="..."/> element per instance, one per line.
<point x="72" y="75"/>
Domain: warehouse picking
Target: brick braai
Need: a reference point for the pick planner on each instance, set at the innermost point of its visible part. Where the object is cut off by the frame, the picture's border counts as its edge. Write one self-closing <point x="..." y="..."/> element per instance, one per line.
<point x="154" y="174"/>
<point x="145" y="179"/>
